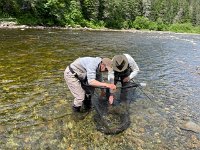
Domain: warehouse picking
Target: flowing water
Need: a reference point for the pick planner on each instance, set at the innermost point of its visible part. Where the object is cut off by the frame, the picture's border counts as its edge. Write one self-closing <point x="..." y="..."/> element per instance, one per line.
<point x="35" y="103"/>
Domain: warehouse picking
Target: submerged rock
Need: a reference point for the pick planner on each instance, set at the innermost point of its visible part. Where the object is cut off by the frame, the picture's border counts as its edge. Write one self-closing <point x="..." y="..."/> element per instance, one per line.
<point x="191" y="126"/>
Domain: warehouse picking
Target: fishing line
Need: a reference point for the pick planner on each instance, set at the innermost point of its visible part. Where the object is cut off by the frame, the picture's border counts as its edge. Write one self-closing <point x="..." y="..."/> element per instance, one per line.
<point x="140" y="85"/>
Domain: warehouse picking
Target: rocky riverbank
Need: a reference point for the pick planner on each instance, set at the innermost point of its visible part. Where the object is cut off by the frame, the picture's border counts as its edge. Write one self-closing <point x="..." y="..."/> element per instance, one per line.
<point x="10" y="24"/>
<point x="14" y="25"/>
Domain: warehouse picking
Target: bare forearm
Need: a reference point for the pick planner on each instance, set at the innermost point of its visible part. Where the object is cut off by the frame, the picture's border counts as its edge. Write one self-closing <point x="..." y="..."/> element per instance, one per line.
<point x="97" y="83"/>
<point x="102" y="84"/>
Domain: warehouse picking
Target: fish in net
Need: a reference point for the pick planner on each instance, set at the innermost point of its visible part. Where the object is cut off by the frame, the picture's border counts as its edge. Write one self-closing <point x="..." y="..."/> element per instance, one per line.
<point x="115" y="118"/>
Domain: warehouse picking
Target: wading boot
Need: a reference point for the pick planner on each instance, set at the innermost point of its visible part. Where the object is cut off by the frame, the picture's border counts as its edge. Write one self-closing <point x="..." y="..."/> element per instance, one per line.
<point x="77" y="113"/>
<point x="87" y="103"/>
<point x="76" y="108"/>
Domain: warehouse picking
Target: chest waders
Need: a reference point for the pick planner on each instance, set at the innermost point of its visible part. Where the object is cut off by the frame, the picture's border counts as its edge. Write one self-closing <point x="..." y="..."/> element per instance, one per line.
<point x="119" y="76"/>
<point x="88" y="90"/>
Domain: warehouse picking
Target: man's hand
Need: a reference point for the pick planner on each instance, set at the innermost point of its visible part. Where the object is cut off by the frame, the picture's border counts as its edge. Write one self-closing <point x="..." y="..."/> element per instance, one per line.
<point x="111" y="86"/>
<point x="111" y="99"/>
<point x="126" y="79"/>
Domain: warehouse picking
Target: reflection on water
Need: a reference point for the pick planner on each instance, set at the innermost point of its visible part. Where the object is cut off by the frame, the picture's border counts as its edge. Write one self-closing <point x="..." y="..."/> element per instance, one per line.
<point x="36" y="104"/>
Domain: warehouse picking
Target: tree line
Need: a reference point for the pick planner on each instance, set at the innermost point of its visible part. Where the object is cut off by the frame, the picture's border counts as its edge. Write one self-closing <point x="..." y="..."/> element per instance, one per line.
<point x="118" y="14"/>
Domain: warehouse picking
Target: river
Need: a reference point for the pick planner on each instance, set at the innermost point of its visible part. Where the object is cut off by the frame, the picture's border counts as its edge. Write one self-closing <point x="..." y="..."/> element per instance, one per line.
<point x="35" y="103"/>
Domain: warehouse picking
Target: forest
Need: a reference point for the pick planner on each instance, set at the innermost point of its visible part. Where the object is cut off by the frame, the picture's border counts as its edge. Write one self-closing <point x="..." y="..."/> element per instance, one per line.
<point x="158" y="15"/>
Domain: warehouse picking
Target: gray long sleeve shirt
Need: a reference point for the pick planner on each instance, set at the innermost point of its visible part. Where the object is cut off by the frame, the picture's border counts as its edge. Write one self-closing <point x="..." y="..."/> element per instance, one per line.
<point x="86" y="67"/>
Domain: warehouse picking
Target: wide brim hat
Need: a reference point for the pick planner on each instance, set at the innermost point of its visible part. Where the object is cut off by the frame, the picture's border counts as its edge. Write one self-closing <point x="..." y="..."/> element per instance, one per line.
<point x="108" y="63"/>
<point x="119" y="63"/>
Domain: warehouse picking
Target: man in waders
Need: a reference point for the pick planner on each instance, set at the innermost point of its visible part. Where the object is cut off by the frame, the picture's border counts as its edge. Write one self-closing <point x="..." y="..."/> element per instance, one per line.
<point x="86" y="70"/>
<point x="125" y="68"/>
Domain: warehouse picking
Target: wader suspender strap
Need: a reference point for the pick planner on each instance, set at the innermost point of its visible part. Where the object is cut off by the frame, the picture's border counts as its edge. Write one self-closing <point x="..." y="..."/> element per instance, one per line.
<point x="88" y="89"/>
<point x="122" y="75"/>
<point x="72" y="71"/>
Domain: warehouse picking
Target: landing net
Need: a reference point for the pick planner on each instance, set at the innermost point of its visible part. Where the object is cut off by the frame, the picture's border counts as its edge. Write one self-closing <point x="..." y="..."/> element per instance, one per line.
<point x="113" y="119"/>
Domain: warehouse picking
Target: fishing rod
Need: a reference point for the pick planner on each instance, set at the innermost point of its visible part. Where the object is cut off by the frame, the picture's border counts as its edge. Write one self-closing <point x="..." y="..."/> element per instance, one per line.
<point x="140" y="88"/>
<point x="134" y="84"/>
<point x="140" y="85"/>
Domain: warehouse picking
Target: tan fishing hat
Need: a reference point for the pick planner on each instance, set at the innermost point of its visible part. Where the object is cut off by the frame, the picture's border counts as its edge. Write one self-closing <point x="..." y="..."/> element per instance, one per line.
<point x="108" y="63"/>
<point x="119" y="63"/>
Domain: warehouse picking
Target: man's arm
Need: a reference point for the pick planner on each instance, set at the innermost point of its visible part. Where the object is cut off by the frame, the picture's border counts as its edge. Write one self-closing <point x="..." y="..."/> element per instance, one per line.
<point x="101" y="84"/>
<point x="133" y="66"/>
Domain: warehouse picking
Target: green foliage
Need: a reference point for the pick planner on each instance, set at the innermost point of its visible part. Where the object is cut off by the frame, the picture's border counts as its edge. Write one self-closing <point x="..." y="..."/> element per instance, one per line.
<point x="96" y="24"/>
<point x="134" y="9"/>
<point x="115" y="23"/>
<point x="7" y="18"/>
<point x="42" y="12"/>
<point x="153" y="26"/>
<point x="74" y="16"/>
<point x="28" y="19"/>
<point x="89" y="9"/>
<point x="186" y="27"/>
<point x="149" y="14"/>
<point x="196" y="29"/>
<point x="93" y="24"/>
<point x="144" y="23"/>
<point x="8" y="8"/>
<point x="141" y="23"/>
<point x="55" y="9"/>
<point x="4" y="15"/>
<point x="51" y="12"/>
<point x="160" y="25"/>
<point x="127" y="25"/>
<point x="114" y="18"/>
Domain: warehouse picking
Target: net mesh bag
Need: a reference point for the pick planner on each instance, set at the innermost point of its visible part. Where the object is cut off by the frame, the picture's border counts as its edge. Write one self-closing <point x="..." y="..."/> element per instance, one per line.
<point x="115" y="118"/>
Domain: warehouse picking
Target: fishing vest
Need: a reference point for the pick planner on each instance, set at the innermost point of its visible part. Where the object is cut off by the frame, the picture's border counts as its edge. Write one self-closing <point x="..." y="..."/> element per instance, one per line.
<point x="119" y="76"/>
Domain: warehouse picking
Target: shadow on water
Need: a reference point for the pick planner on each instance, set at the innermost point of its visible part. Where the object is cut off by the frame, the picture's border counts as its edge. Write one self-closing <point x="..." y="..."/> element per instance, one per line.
<point x="35" y="102"/>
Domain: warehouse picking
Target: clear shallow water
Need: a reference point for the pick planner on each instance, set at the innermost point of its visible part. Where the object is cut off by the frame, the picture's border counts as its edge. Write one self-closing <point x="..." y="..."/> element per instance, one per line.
<point x="35" y="101"/>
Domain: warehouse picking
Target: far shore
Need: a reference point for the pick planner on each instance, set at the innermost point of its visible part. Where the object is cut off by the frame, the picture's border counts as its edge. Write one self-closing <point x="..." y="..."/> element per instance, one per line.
<point x="14" y="25"/>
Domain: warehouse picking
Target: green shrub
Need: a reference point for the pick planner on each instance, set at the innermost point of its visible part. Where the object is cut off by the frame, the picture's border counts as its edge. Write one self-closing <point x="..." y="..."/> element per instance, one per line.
<point x="4" y="15"/>
<point x="125" y="25"/>
<point x="153" y="26"/>
<point x="141" y="23"/>
<point x="97" y="24"/>
<point x="74" y="16"/>
<point x="115" y="23"/>
<point x="89" y="24"/>
<point x="28" y="19"/>
<point x="185" y="27"/>
<point x="160" y="25"/>
<point x="197" y="29"/>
